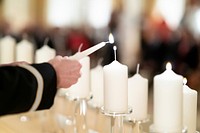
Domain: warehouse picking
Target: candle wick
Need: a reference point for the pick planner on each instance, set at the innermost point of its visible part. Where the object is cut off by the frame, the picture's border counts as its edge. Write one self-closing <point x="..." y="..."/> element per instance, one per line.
<point x="184" y="81"/>
<point x="115" y="53"/>
<point x="46" y="41"/>
<point x="79" y="49"/>
<point x="138" y="66"/>
<point x="100" y="61"/>
<point x="25" y="36"/>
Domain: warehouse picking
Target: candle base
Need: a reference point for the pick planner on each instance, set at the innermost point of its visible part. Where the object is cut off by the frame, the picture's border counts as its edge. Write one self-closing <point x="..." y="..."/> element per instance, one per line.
<point x="72" y="98"/>
<point x="116" y="120"/>
<point x="80" y="112"/>
<point x="154" y="130"/>
<point x="136" y="125"/>
<point x="113" y="114"/>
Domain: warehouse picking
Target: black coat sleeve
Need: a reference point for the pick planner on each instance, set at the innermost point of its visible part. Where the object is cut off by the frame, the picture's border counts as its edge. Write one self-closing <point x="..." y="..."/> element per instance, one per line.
<point x="18" y="88"/>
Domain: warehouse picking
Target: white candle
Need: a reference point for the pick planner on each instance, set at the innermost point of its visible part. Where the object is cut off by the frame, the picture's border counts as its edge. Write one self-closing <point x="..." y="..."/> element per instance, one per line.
<point x="97" y="85"/>
<point x="80" y="55"/>
<point x="138" y="96"/>
<point x="44" y="54"/>
<point x="168" y="101"/>
<point x="82" y="88"/>
<point x="7" y="50"/>
<point x="189" y="108"/>
<point x="25" y="51"/>
<point x="115" y="87"/>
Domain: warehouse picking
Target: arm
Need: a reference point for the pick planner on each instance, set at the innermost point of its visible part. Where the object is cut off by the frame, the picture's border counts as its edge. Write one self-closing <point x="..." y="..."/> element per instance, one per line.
<point x="18" y="88"/>
<point x="18" y="85"/>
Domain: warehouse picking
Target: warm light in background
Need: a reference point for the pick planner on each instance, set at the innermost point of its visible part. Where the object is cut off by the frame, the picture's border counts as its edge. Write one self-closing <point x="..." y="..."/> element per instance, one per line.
<point x="62" y="12"/>
<point x="172" y="11"/>
<point x="197" y="21"/>
<point x="99" y="12"/>
<point x="76" y="12"/>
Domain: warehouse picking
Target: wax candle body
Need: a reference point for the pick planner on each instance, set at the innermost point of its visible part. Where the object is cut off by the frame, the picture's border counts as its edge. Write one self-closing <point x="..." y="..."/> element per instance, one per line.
<point x="189" y="108"/>
<point x="80" y="55"/>
<point x="44" y="54"/>
<point x="115" y="87"/>
<point x="97" y="85"/>
<point x="25" y="51"/>
<point x="7" y="49"/>
<point x="168" y="100"/>
<point x="82" y="88"/>
<point x="138" y="97"/>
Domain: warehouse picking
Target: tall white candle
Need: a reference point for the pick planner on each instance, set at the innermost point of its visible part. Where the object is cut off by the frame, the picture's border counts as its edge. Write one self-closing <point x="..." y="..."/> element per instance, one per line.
<point x="82" y="88"/>
<point x="168" y="101"/>
<point x="7" y="49"/>
<point x="44" y="54"/>
<point x="138" y="96"/>
<point x="25" y="51"/>
<point x="97" y="85"/>
<point x="115" y="87"/>
<point x="189" y="108"/>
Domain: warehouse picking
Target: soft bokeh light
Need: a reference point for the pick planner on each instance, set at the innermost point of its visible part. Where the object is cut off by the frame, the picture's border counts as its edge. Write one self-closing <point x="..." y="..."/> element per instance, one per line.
<point x="99" y="12"/>
<point x="172" y="11"/>
<point x="197" y="21"/>
<point x="62" y="12"/>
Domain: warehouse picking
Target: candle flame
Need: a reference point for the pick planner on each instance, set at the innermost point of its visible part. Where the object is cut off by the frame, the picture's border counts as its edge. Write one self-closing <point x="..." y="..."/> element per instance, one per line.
<point x="168" y="66"/>
<point x="114" y="47"/>
<point x="115" y="53"/>
<point x="184" y="81"/>
<point x="111" y="38"/>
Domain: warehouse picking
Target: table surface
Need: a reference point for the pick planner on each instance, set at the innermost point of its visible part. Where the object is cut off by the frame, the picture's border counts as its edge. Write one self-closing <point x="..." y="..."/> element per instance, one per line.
<point x="58" y="120"/>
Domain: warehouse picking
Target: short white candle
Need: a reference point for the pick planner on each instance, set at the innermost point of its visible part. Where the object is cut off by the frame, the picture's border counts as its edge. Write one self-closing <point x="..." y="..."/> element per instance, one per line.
<point x="189" y="108"/>
<point x="97" y="85"/>
<point x="138" y="96"/>
<point x="168" y="101"/>
<point x="44" y="54"/>
<point x="25" y="51"/>
<point x="82" y="88"/>
<point x="7" y="49"/>
<point x="115" y="87"/>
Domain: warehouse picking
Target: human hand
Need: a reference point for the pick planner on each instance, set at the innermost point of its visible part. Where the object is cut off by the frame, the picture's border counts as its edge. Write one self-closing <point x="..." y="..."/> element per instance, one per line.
<point x="67" y="71"/>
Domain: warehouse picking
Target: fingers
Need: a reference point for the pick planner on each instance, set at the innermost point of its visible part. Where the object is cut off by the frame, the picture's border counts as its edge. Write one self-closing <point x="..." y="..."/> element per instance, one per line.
<point x="67" y="71"/>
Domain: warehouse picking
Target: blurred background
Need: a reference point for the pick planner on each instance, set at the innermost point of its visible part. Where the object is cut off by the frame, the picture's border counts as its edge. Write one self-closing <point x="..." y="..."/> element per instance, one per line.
<point x="148" y="32"/>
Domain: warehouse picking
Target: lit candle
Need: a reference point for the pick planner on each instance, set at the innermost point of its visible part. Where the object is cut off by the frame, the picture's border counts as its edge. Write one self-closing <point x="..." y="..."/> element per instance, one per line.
<point x="97" y="85"/>
<point x="189" y="108"/>
<point x="45" y="53"/>
<point x="7" y="50"/>
<point x="82" y="88"/>
<point x="138" y="96"/>
<point x="115" y="86"/>
<point x="168" y="101"/>
<point x="24" y="51"/>
<point x="80" y="55"/>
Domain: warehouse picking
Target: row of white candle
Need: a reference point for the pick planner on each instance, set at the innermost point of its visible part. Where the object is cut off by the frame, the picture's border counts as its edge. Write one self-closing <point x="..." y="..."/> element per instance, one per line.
<point x="171" y="98"/>
<point x="111" y="88"/>
<point x="11" y="51"/>
<point x="175" y="104"/>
